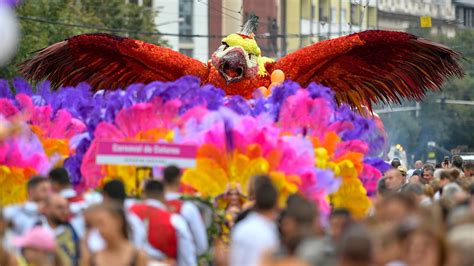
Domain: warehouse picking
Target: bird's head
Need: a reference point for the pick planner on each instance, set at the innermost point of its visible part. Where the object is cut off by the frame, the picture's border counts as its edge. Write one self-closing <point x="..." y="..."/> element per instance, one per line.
<point x="239" y="55"/>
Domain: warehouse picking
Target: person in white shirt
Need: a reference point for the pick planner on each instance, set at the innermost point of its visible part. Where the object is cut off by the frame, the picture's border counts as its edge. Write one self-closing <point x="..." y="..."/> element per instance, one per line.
<point x="23" y="217"/>
<point x="188" y="210"/>
<point x="257" y="234"/>
<point x="168" y="234"/>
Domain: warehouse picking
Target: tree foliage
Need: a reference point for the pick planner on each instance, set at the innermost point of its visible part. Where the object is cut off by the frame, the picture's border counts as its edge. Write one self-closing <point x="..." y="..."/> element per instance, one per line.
<point x="449" y="125"/>
<point x="122" y="18"/>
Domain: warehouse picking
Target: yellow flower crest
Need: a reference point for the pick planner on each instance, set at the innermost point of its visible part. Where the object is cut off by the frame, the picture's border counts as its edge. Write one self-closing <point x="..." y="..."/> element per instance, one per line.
<point x="13" y="184"/>
<point x="348" y="166"/>
<point x="251" y="47"/>
<point x="249" y="44"/>
<point x="213" y="172"/>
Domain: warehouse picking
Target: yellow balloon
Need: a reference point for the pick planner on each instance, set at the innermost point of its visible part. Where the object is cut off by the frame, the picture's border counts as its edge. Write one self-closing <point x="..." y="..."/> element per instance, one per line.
<point x="278" y="76"/>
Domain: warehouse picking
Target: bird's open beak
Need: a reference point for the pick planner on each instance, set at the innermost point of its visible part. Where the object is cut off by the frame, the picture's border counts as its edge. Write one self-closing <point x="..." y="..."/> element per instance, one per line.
<point x="233" y="66"/>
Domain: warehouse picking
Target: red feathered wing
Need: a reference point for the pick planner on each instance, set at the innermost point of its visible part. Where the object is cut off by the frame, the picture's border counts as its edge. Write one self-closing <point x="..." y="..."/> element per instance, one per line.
<point x="373" y="66"/>
<point x="109" y="62"/>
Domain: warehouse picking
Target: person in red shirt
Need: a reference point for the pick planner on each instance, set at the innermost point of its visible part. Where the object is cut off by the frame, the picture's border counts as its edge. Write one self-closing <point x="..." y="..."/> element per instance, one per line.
<point x="169" y="237"/>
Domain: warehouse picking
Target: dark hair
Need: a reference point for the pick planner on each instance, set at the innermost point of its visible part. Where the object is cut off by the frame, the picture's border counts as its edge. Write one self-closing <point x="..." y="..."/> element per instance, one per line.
<point x="115" y="190"/>
<point x="117" y="210"/>
<point x="455" y="174"/>
<point x="255" y="182"/>
<point x="356" y="245"/>
<point x="470" y="189"/>
<point x="341" y="212"/>
<point x="395" y="163"/>
<point x="446" y="174"/>
<point x="266" y="196"/>
<point x="171" y="174"/>
<point x="418" y="172"/>
<point x="415" y="189"/>
<point x="34" y="181"/>
<point x="60" y="176"/>
<point x="154" y="188"/>
<point x="457" y="161"/>
<point x="382" y="186"/>
<point x="428" y="167"/>
<point x="300" y="209"/>
<point x="302" y="212"/>
<point x="408" y="200"/>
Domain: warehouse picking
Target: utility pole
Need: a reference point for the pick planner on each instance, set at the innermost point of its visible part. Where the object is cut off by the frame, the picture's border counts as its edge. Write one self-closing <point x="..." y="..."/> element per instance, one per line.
<point x="300" y="21"/>
<point x="329" y="19"/>
<point x="311" y="21"/>
<point x="377" y="14"/>
<point x="340" y="17"/>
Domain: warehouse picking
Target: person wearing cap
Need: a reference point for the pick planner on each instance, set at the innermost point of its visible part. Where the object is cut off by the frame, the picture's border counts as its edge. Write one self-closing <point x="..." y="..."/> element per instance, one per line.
<point x="395" y="163"/>
<point x="38" y="247"/>
<point x="403" y="170"/>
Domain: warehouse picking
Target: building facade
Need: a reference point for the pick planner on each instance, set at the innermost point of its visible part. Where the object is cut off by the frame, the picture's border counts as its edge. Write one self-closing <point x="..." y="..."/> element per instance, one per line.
<point x="182" y="17"/>
<point x="309" y="21"/>
<point x="228" y="16"/>
<point x="403" y="15"/>
<point x="287" y="25"/>
<point x="464" y="13"/>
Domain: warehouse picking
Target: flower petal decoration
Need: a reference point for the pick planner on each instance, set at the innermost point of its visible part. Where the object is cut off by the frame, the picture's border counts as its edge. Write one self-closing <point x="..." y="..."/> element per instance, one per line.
<point x="301" y="137"/>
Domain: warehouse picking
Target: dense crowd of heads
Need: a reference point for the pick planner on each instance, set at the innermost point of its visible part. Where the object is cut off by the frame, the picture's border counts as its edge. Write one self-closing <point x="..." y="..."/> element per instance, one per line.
<point x="421" y="216"/>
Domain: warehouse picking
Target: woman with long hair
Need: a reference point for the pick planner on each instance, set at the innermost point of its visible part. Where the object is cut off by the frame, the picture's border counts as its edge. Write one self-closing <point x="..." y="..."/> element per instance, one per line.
<point x="110" y="221"/>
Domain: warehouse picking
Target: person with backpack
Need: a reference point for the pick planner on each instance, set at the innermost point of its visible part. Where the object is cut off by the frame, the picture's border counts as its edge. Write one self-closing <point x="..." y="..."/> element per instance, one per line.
<point x="169" y="237"/>
<point x="187" y="209"/>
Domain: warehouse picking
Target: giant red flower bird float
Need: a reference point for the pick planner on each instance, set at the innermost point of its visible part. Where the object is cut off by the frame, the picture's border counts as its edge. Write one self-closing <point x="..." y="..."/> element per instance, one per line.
<point x="362" y="68"/>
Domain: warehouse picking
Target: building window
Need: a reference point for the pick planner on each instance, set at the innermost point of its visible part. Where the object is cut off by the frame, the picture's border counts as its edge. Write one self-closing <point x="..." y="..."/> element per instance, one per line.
<point x="186" y="25"/>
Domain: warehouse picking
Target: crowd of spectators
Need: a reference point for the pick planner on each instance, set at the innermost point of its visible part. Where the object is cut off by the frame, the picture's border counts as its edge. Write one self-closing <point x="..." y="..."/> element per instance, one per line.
<point x="421" y="216"/>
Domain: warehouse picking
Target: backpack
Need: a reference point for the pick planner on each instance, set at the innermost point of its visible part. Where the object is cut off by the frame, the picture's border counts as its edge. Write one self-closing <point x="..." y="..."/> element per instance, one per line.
<point x="161" y="233"/>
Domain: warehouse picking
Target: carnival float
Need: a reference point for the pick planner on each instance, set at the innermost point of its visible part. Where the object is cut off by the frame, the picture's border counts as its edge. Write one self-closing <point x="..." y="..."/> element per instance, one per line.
<point x="305" y="119"/>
